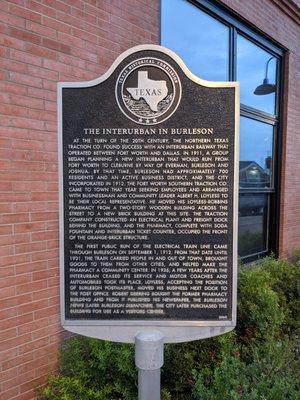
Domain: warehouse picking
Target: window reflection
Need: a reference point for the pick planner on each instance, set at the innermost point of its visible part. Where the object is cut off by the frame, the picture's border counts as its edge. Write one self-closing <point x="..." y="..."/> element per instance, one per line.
<point x="252" y="224"/>
<point x="252" y="65"/>
<point x="200" y="40"/>
<point x="256" y="145"/>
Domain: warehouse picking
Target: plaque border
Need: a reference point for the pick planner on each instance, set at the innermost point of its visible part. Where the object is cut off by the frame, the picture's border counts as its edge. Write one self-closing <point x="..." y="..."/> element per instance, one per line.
<point x="174" y="331"/>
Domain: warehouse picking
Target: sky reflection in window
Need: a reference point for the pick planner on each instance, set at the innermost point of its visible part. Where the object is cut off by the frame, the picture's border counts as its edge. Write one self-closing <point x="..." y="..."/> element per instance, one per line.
<point x="251" y="71"/>
<point x="200" y="40"/>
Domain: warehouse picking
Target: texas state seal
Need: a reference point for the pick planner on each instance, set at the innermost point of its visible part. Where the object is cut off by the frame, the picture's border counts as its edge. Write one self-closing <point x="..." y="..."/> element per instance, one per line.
<point x="148" y="91"/>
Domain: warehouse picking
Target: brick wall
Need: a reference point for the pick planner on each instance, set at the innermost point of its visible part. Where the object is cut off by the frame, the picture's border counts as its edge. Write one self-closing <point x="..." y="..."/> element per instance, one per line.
<point x="41" y="43"/>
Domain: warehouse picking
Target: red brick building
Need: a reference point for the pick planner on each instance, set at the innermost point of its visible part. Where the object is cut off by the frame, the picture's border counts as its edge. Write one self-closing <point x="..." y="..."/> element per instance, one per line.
<point x="43" y="42"/>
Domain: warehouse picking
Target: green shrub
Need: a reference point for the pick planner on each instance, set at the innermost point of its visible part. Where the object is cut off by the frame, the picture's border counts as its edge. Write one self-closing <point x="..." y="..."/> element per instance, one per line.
<point x="259" y="313"/>
<point x="97" y="361"/>
<point x="103" y="370"/>
<point x="182" y="358"/>
<point x="296" y="257"/>
<point x="71" y="388"/>
<point x="270" y="376"/>
<point x="285" y="282"/>
<point x="257" y="361"/>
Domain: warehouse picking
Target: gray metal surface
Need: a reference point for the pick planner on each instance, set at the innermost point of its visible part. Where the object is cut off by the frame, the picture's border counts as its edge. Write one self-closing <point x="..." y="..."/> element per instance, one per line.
<point x="149" y="350"/>
<point x="149" y="358"/>
<point x="125" y="331"/>
<point x="149" y="385"/>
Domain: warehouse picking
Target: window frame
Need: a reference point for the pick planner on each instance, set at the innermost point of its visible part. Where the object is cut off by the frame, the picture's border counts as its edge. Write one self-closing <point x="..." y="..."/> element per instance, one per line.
<point x="239" y="26"/>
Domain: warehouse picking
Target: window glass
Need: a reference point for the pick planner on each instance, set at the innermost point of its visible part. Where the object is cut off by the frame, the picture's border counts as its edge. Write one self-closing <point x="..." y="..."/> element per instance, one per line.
<point x="256" y="146"/>
<point x="254" y="65"/>
<point x="253" y="211"/>
<point x="200" y="40"/>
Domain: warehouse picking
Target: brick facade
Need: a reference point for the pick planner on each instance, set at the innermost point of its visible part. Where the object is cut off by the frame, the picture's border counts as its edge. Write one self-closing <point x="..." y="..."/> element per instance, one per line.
<point x="41" y="43"/>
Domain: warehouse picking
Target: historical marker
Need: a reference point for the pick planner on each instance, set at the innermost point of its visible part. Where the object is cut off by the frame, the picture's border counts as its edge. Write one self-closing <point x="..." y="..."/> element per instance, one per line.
<point x="148" y="184"/>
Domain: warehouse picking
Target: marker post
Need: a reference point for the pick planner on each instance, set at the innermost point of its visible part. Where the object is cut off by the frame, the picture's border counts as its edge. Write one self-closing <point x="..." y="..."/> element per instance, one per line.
<point x="148" y="184"/>
<point x="149" y="358"/>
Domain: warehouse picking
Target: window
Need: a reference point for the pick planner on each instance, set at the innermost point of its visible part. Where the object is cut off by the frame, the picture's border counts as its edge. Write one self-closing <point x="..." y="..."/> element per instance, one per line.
<point x="211" y="62"/>
<point x="253" y="64"/>
<point x="256" y="150"/>
<point x="216" y="46"/>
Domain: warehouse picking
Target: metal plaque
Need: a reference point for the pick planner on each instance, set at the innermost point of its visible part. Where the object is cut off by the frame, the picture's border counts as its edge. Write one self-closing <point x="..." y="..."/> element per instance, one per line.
<point x="148" y="157"/>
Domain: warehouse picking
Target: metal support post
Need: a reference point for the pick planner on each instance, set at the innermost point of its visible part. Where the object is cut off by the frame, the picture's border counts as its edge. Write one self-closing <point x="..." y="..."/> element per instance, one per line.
<point x="149" y="358"/>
